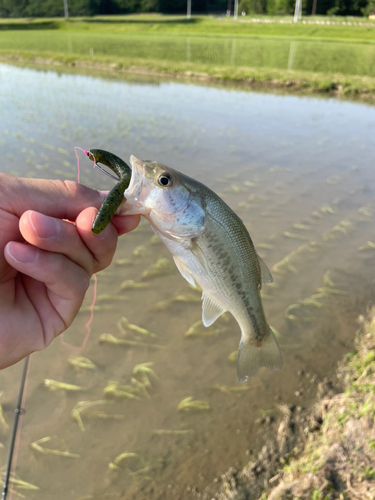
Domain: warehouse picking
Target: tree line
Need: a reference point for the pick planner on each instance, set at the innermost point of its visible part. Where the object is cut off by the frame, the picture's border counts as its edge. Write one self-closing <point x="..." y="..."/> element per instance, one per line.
<point x="55" y="8"/>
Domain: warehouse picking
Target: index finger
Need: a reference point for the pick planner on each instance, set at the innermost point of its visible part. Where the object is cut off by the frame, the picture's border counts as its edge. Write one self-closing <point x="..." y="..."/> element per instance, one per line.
<point x="60" y="199"/>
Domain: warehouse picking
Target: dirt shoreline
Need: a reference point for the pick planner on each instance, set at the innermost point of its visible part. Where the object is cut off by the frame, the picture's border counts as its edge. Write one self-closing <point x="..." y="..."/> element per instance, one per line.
<point x="326" y="452"/>
<point x="293" y="81"/>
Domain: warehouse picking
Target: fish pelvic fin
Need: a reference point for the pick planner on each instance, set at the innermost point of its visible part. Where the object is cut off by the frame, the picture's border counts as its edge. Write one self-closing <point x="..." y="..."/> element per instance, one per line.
<point x="252" y="357"/>
<point x="211" y="310"/>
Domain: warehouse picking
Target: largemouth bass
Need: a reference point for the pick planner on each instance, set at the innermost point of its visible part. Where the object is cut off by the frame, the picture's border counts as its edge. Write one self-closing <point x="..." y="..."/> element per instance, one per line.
<point x="212" y="249"/>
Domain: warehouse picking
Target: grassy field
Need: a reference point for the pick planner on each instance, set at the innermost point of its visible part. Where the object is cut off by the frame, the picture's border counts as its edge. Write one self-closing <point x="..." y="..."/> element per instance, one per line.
<point x="207" y="26"/>
<point x="278" y="51"/>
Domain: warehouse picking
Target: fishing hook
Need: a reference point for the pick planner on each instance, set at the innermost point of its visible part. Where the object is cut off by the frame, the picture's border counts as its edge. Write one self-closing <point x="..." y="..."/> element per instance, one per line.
<point x="106" y="173"/>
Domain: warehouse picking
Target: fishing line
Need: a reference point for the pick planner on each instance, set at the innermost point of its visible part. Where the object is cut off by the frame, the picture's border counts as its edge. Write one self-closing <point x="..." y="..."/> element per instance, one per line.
<point x="87" y="326"/>
<point x="78" y="171"/>
<point x="18" y="412"/>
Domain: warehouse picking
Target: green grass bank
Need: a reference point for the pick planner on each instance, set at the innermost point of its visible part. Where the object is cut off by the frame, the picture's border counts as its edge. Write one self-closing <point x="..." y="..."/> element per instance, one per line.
<point x="295" y="81"/>
<point x="339" y="460"/>
<point x="326" y="452"/>
<point x="338" y="57"/>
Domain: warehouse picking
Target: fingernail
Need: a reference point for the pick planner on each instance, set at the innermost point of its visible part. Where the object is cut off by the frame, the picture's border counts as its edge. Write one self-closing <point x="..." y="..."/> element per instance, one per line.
<point x="44" y="227"/>
<point x="24" y="254"/>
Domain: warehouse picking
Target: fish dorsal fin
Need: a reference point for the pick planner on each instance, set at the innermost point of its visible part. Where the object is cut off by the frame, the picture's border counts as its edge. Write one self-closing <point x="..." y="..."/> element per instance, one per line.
<point x="266" y="276"/>
<point x="184" y="271"/>
<point x="211" y="310"/>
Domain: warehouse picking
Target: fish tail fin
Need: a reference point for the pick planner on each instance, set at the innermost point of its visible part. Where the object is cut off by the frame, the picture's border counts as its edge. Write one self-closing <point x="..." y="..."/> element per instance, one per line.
<point x="252" y="357"/>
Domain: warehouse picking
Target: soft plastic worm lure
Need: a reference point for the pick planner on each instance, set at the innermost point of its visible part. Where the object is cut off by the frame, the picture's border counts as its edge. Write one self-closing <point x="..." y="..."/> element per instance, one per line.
<point x="116" y="195"/>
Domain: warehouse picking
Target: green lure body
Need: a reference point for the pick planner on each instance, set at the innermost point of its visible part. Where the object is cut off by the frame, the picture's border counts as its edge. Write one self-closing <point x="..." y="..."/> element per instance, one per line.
<point x="116" y="195"/>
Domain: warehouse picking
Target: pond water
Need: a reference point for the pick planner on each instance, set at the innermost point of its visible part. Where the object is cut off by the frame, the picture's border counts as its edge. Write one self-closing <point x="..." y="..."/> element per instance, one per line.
<point x="298" y="171"/>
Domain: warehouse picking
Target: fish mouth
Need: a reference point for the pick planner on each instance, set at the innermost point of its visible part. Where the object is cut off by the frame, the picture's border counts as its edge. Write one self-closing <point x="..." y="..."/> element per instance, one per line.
<point x="135" y="204"/>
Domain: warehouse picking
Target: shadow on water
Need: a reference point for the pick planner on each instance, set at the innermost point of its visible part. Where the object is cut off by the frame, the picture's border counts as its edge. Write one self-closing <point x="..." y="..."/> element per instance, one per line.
<point x="30" y="25"/>
<point x="151" y="22"/>
<point x="299" y="175"/>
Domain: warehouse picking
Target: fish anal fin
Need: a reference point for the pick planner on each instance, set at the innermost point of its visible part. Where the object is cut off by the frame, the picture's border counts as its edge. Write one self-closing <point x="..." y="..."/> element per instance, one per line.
<point x="211" y="310"/>
<point x="252" y="357"/>
<point x="265" y="273"/>
<point x="184" y="271"/>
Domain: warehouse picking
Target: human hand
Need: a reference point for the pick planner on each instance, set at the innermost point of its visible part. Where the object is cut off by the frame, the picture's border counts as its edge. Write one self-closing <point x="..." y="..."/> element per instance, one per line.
<point x="47" y="256"/>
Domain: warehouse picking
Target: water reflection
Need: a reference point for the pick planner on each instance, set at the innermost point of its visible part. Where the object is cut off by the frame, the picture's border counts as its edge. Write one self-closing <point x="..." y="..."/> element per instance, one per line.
<point x="299" y="171"/>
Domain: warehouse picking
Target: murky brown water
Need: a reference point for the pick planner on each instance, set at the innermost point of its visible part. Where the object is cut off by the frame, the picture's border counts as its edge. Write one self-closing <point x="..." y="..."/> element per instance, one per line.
<point x="298" y="170"/>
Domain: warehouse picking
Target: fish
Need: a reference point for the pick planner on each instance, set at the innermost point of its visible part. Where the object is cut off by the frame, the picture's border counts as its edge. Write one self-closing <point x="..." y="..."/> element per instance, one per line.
<point x="212" y="249"/>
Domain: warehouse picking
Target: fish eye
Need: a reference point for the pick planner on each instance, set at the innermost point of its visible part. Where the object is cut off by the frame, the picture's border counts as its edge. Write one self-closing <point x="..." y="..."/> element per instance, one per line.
<point x="165" y="180"/>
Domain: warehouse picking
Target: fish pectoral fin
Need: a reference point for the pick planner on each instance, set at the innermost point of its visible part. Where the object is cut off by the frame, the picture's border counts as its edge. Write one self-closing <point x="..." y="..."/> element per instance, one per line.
<point x="266" y="276"/>
<point x="184" y="271"/>
<point x="197" y="251"/>
<point x="211" y="310"/>
<point x="252" y="357"/>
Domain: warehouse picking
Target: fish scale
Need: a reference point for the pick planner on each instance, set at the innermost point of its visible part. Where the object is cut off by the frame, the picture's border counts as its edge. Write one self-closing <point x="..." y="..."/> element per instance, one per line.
<point x="237" y="234"/>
